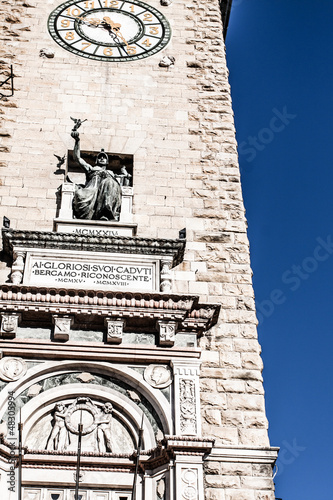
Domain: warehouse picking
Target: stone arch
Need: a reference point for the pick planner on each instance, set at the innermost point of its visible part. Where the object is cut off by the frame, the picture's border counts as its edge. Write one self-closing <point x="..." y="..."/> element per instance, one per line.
<point x="121" y="372"/>
<point x="41" y="405"/>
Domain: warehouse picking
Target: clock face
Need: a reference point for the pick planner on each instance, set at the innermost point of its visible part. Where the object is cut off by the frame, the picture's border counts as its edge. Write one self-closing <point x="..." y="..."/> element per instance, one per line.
<point x="109" y="30"/>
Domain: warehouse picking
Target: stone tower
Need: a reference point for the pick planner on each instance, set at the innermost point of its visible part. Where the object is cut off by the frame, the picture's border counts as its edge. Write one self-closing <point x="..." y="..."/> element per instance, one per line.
<point x="129" y="352"/>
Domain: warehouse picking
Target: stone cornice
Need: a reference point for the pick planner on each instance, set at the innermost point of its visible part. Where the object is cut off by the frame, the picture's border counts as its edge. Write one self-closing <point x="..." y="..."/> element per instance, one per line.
<point x="184" y="309"/>
<point x="76" y="243"/>
<point x="244" y="455"/>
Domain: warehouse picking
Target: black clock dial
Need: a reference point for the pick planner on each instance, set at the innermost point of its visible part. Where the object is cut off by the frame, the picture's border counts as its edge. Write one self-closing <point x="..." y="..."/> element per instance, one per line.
<point x="109" y="30"/>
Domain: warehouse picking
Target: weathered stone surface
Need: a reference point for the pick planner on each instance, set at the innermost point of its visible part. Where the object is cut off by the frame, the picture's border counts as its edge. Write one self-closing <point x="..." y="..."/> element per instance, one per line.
<point x="213" y="467"/>
<point x="223" y="481"/>
<point x="239" y="495"/>
<point x="245" y="402"/>
<point x="184" y="136"/>
<point x="213" y="416"/>
<point x="214" y="494"/>
<point x="238" y="469"/>
<point x="231" y="386"/>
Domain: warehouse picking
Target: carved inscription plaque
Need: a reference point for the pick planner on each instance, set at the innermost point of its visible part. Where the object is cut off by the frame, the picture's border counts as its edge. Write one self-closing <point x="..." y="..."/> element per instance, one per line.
<point x="71" y="271"/>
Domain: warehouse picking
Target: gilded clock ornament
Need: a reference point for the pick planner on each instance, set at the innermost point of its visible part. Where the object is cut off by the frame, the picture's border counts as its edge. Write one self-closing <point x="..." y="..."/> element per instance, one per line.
<point x="109" y="30"/>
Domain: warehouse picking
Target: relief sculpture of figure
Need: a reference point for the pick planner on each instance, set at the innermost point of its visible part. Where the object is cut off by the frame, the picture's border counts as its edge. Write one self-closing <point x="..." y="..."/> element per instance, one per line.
<point x="103" y="421"/>
<point x="100" y="197"/>
<point x="58" y="438"/>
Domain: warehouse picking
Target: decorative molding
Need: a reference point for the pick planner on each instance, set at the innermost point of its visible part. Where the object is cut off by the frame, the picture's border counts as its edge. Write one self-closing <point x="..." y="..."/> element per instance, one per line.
<point x="74" y="351"/>
<point x="119" y="244"/>
<point x="185" y="310"/>
<point x="239" y="454"/>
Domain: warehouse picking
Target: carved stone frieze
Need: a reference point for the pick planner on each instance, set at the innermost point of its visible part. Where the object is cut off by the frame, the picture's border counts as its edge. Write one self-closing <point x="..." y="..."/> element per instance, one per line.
<point x="103" y="303"/>
<point x="9" y="324"/>
<point x="62" y="327"/>
<point x="187" y="398"/>
<point x="167" y="332"/>
<point x="187" y="404"/>
<point x="115" y="328"/>
<point x="96" y="421"/>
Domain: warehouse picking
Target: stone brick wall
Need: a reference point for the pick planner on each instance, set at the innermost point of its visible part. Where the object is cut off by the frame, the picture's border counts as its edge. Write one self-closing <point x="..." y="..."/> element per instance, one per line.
<point x="178" y="124"/>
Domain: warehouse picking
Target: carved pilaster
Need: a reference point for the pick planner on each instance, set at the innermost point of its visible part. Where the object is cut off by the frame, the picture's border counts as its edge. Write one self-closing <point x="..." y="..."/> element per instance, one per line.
<point x="9" y="324"/>
<point x="17" y="267"/>
<point x="189" y="481"/>
<point x="165" y="285"/>
<point x="115" y="329"/>
<point x="167" y="332"/>
<point x="62" y="327"/>
<point x="187" y="398"/>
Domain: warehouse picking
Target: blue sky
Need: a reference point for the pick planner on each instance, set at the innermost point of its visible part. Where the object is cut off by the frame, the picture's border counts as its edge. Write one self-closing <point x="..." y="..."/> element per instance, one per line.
<point x="280" y="55"/>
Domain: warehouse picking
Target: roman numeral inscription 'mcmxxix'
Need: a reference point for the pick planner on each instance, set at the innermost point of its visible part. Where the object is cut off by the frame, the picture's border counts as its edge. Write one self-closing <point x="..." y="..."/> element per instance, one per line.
<point x="130" y="367"/>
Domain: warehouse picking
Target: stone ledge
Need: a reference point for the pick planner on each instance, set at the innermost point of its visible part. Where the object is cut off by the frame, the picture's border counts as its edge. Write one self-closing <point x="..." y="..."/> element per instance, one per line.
<point x="244" y="455"/>
<point x="114" y="244"/>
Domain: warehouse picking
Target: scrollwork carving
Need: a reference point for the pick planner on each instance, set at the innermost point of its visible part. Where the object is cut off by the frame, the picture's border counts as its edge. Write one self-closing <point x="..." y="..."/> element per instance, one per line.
<point x="188" y="420"/>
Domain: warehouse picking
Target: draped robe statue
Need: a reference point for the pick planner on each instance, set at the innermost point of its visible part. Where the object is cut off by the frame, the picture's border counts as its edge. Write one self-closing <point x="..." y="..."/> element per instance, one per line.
<point x="100" y="197"/>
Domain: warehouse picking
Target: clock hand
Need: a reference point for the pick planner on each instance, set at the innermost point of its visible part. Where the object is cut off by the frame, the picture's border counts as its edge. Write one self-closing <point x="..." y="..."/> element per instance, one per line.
<point x="113" y="27"/>
<point x="106" y="23"/>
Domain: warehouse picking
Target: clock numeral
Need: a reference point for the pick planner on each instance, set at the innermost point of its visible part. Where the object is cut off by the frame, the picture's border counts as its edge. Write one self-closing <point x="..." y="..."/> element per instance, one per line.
<point x="107" y="51"/>
<point x="85" y="45"/>
<point x="132" y="8"/>
<point x="131" y="50"/>
<point x="111" y="3"/>
<point x="148" y="17"/>
<point x="69" y="35"/>
<point x="89" y="4"/>
<point x="153" y="30"/>
<point x="146" y="42"/>
<point x="74" y="12"/>
<point x="65" y="23"/>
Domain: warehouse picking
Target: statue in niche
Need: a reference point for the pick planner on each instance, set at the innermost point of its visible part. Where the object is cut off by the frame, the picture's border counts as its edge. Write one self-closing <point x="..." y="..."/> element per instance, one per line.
<point x="100" y="197"/>
<point x="103" y="421"/>
<point x="58" y="438"/>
